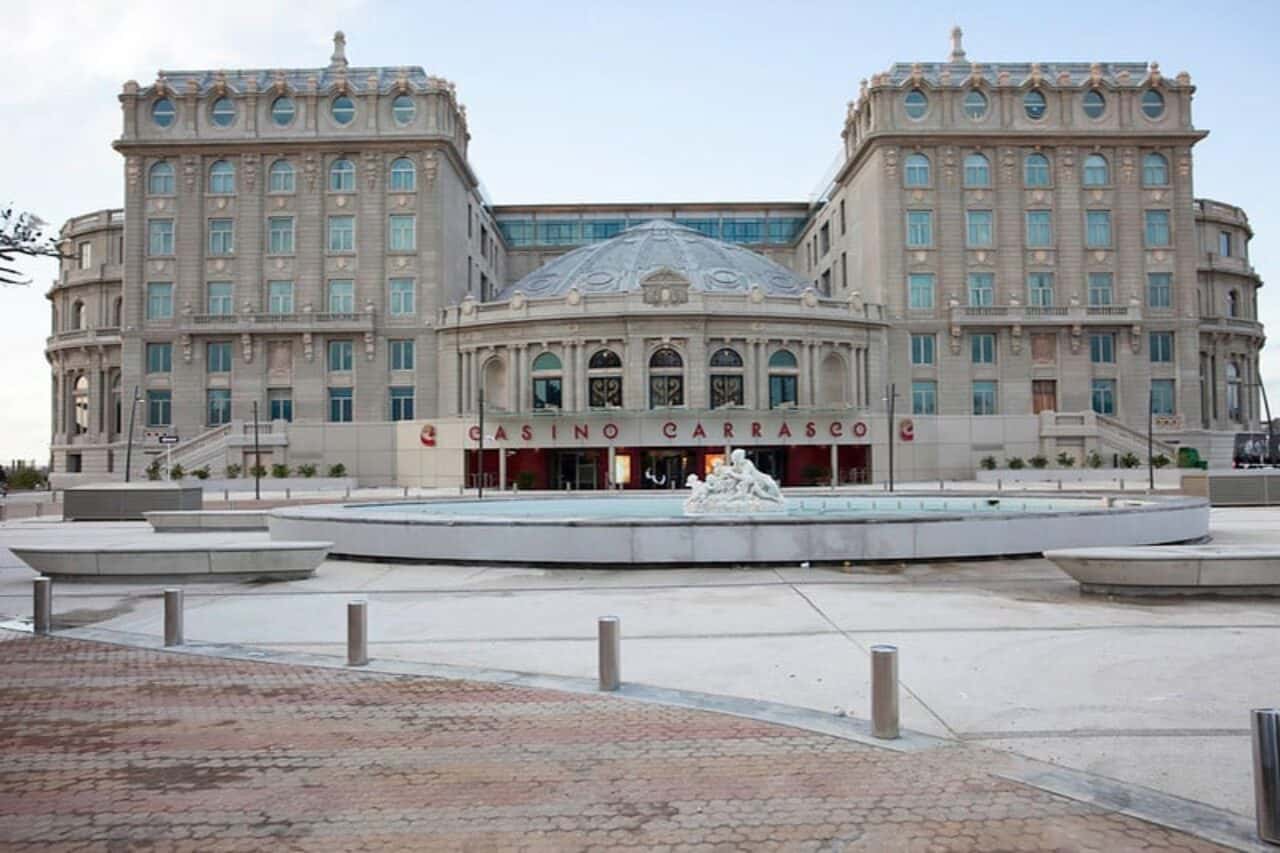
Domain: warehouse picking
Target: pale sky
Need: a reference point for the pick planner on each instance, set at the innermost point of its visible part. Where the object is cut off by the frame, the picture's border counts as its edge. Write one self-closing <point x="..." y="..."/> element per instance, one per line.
<point x="604" y="101"/>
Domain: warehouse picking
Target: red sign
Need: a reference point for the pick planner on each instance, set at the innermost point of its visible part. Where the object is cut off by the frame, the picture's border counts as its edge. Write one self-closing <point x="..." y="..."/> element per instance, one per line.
<point x="906" y="429"/>
<point x="428" y="435"/>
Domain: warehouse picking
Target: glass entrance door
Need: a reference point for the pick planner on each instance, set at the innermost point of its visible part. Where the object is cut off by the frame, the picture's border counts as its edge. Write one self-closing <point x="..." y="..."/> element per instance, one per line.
<point x="1044" y="396"/>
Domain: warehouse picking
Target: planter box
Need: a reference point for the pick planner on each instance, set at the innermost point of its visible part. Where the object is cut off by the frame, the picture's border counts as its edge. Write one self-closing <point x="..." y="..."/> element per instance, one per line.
<point x="216" y="485"/>
<point x="1167" y="477"/>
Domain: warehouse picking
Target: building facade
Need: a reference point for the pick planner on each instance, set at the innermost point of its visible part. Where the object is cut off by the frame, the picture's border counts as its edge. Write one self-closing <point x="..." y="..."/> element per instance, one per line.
<point x="1014" y="251"/>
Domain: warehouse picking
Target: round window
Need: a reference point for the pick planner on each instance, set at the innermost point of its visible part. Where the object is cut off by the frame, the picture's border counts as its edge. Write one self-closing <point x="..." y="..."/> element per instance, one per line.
<point x="1035" y="105"/>
<point x="343" y="109"/>
<point x="283" y="111"/>
<point x="1153" y="103"/>
<point x="1094" y="104"/>
<point x="975" y="104"/>
<point x="223" y="112"/>
<point x="916" y="103"/>
<point x="403" y="108"/>
<point x="163" y="112"/>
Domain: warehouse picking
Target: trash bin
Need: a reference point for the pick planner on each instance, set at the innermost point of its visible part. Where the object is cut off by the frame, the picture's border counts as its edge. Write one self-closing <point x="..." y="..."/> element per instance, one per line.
<point x="1266" y="772"/>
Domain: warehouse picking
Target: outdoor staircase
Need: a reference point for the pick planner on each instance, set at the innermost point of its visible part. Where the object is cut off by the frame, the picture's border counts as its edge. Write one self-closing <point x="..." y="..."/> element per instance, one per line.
<point x="1110" y="435"/>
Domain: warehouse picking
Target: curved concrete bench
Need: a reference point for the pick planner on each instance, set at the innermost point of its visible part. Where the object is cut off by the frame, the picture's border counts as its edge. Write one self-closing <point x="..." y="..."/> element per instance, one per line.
<point x="186" y="521"/>
<point x="168" y="559"/>
<point x="1173" y="569"/>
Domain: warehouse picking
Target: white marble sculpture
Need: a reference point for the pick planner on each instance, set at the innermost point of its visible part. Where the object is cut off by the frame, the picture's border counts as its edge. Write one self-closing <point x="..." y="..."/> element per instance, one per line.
<point x="738" y="487"/>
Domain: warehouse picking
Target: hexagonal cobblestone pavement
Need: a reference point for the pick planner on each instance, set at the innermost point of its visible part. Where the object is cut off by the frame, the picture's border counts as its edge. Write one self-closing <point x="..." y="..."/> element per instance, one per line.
<point x="112" y="748"/>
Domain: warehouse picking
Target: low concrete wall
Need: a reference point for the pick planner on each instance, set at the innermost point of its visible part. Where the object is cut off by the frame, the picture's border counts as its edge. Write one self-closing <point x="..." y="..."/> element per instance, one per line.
<point x="221" y="519"/>
<point x="1250" y="487"/>
<point x="127" y="501"/>
<point x="1167" y="478"/>
<point x="216" y="486"/>
<point x="1179" y="569"/>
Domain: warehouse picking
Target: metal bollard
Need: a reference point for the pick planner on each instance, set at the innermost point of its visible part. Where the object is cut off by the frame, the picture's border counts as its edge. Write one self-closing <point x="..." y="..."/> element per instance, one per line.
<point x="406" y="491"/>
<point x="173" y="617"/>
<point x="1059" y="485"/>
<point x="999" y="485"/>
<point x="610" y="633"/>
<point x="288" y="494"/>
<point x="39" y="508"/>
<point x="357" y="633"/>
<point x="884" y="691"/>
<point x="347" y="496"/>
<point x="226" y="496"/>
<point x="1266" y="772"/>
<point x="42" y="605"/>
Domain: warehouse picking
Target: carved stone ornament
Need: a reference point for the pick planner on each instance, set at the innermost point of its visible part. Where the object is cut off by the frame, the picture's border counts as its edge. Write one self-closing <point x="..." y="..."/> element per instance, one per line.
<point x="246" y="348"/>
<point x="756" y="294"/>
<point x="891" y="161"/>
<point x="430" y="168"/>
<point x="735" y="488"/>
<point x="310" y="168"/>
<point x="518" y="301"/>
<point x="371" y="168"/>
<point x="133" y="170"/>
<point x="185" y="342"/>
<point x="574" y="296"/>
<point x="250" y="170"/>
<point x="190" y="172"/>
<point x="370" y="349"/>
<point x="665" y="287"/>
<point x="308" y="348"/>
<point x="809" y="298"/>
<point x="469" y="305"/>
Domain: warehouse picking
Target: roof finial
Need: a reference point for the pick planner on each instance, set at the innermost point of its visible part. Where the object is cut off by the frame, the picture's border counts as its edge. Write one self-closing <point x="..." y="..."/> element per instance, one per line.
<point x="957" y="48"/>
<point x="339" y="58"/>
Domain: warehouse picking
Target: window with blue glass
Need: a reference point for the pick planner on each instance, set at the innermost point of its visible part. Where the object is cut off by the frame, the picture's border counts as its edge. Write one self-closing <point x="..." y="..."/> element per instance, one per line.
<point x="402" y="292"/>
<point x="280" y="235"/>
<point x="1157" y="222"/>
<point x="160" y="237"/>
<point x="982" y="348"/>
<point x="1155" y="170"/>
<point x="402" y="236"/>
<point x="557" y="233"/>
<point x="1097" y="172"/>
<point x="221" y="237"/>
<point x="402" y="177"/>
<point x="982" y="289"/>
<point x="159" y="358"/>
<point x="342" y="233"/>
<point x="916" y="170"/>
<point x="340" y="405"/>
<point x="785" y="230"/>
<point x="1161" y="347"/>
<point x="402" y="403"/>
<point x="342" y="176"/>
<point x="1036" y="170"/>
<point x="705" y="227"/>
<point x="924" y="397"/>
<point x="281" y="177"/>
<point x="602" y="229"/>
<point x="1097" y="229"/>
<point x="1100" y="289"/>
<point x="517" y="232"/>
<point x="340" y="356"/>
<point x="1102" y="348"/>
<point x="160" y="179"/>
<point x="783" y="379"/>
<point x="280" y="297"/>
<point x="159" y="300"/>
<point x="159" y="408"/>
<point x="920" y="290"/>
<point x="1163" y="397"/>
<point x="922" y="349"/>
<point x="342" y="296"/>
<point x="218" y="357"/>
<point x="219" y="406"/>
<point x="401" y="354"/>
<point x="978" y="228"/>
<point x="548" y="381"/>
<point x="1159" y="290"/>
<point x="977" y="171"/>
<point x="1039" y="229"/>
<point x="984" y="397"/>
<point x="1103" y="396"/>
<point x="280" y="404"/>
<point x="742" y="230"/>
<point x="1040" y="289"/>
<point x="919" y="229"/>
<point x="222" y="178"/>
<point x="219" y="298"/>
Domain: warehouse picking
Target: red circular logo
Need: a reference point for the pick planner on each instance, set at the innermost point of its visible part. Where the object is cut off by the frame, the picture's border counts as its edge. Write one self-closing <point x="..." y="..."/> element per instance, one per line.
<point x="428" y="435"/>
<point x="906" y="429"/>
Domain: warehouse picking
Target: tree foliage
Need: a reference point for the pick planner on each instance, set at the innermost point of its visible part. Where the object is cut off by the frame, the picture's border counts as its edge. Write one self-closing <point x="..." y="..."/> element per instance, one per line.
<point x="22" y="234"/>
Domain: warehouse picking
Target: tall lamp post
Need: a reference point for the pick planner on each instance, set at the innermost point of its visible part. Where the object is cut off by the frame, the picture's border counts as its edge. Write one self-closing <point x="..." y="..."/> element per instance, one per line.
<point x="1151" y="462"/>
<point x="890" y="396"/>
<point x="257" y="457"/>
<point x="480" y="460"/>
<point x="128" y="448"/>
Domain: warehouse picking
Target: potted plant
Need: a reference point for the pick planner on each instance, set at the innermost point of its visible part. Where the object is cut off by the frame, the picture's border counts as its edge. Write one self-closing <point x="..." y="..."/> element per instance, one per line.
<point x="1094" y="459"/>
<point x="153" y="470"/>
<point x="177" y="472"/>
<point x="987" y="463"/>
<point x="1039" y="461"/>
<point x="201" y="473"/>
<point x="1066" y="459"/>
<point x="1015" y="463"/>
<point x="306" y="470"/>
<point x="1129" y="461"/>
<point x="279" y="470"/>
<point x="1160" y="460"/>
<point x="258" y="471"/>
<point x="337" y="470"/>
<point x="232" y="471"/>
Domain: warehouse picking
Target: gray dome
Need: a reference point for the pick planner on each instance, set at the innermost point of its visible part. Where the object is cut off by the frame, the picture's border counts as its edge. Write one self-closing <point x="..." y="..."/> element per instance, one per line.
<point x="622" y="263"/>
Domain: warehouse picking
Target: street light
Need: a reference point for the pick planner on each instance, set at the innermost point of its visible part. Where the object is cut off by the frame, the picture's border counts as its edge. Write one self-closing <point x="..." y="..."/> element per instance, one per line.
<point x="128" y="452"/>
<point x="890" y="396"/>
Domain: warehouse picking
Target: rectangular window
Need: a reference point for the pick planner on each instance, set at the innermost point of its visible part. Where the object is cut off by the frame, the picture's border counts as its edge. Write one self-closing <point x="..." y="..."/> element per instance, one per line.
<point x="780" y="230"/>
<point x="219" y="406"/>
<point x="556" y="233"/>
<point x="401" y="354"/>
<point x="1163" y="400"/>
<point x="1039" y="228"/>
<point x="726" y="390"/>
<point x="982" y="348"/>
<point x="280" y="404"/>
<point x="824" y="239"/>
<point x="518" y="232"/>
<point x="924" y="398"/>
<point x="1103" y="396"/>
<point x="342" y="233"/>
<point x="546" y="392"/>
<point x="218" y="357"/>
<point x="159" y="408"/>
<point x="919" y="229"/>
<point x="782" y="390"/>
<point x="160" y="237"/>
<point x="401" y="293"/>
<point x="1224" y="244"/>
<point x="1102" y="348"/>
<point x="159" y="358"/>
<point x="844" y="271"/>
<point x="280" y="297"/>
<point x="982" y="289"/>
<point x="280" y="235"/>
<point x="219" y="300"/>
<point x="221" y="237"/>
<point x="920" y="290"/>
<point x="1097" y="229"/>
<point x="1159" y="290"/>
<point x="984" y="398"/>
<point x="1157" y="228"/>
<point x="922" y="349"/>
<point x="1100" y="289"/>
<point x="606" y="228"/>
<point x="159" y="300"/>
<point x="1161" y="347"/>
<point x="1040" y="289"/>
<point x="977" y="228"/>
<point x="342" y="296"/>
<point x="842" y="219"/>
<point x="403" y="233"/>
<point x="84" y="253"/>
<point x="340" y="405"/>
<point x="340" y="356"/>
<point x="402" y="403"/>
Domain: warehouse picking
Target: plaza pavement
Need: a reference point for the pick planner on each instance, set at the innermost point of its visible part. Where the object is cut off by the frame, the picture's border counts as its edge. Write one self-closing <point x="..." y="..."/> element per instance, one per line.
<point x="1003" y="654"/>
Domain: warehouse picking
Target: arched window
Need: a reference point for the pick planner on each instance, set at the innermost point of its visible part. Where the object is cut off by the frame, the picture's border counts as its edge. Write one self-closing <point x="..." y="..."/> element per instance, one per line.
<point x="1233" y="303"/>
<point x="916" y="170"/>
<point x="80" y="399"/>
<point x="604" y="380"/>
<point x="1233" y="391"/>
<point x="975" y="104"/>
<point x="222" y="177"/>
<point x="403" y="109"/>
<point x="1095" y="104"/>
<point x="1036" y="170"/>
<point x="727" y="383"/>
<point x="833" y="382"/>
<point x="495" y="384"/>
<point x="1034" y="104"/>
<point x="1155" y="170"/>
<point x="1096" y="171"/>
<point x="115" y="405"/>
<point x="977" y="171"/>
<point x="547" y="381"/>
<point x="1152" y="104"/>
<point x="281" y="177"/>
<point x="666" y="378"/>
<point x="402" y="176"/>
<point x="342" y="176"/>
<point x="80" y="321"/>
<point x="783" y="380"/>
<point x="916" y="104"/>
<point x="160" y="178"/>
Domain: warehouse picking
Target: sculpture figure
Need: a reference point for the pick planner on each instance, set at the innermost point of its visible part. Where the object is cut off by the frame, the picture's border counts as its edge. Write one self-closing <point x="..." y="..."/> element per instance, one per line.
<point x="738" y="487"/>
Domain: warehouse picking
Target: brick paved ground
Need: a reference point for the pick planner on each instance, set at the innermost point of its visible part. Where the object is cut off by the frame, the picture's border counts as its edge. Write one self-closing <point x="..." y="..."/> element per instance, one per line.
<point x="111" y="748"/>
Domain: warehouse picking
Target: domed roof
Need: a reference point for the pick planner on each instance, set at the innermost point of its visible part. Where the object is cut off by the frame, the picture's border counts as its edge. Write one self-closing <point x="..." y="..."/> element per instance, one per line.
<point x="622" y="263"/>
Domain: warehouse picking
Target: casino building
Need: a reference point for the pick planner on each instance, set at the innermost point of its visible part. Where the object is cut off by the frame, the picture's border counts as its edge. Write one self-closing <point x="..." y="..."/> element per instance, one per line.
<point x="1013" y="252"/>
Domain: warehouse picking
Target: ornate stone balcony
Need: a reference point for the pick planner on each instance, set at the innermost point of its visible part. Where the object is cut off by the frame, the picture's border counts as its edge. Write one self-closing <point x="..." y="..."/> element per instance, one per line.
<point x="302" y="321"/>
<point x="74" y="338"/>
<point x="1232" y="326"/>
<point x="1045" y="315"/>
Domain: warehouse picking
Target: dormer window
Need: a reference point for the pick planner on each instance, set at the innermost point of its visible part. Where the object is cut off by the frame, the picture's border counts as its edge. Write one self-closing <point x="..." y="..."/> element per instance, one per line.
<point x="1152" y="103"/>
<point x="223" y="112"/>
<point x="403" y="109"/>
<point x="1094" y="104"/>
<point x="163" y="112"/>
<point x="343" y="110"/>
<point x="1034" y="104"/>
<point x="975" y="104"/>
<point x="282" y="111"/>
<point x="916" y="104"/>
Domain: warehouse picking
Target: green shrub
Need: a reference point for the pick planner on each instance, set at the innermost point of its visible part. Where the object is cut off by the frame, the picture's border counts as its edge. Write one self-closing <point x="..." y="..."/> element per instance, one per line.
<point x="177" y="472"/>
<point x="1039" y="461"/>
<point x="306" y="470"/>
<point x="201" y="473"/>
<point x="26" y="478"/>
<point x="1160" y="460"/>
<point x="153" y="470"/>
<point x="1067" y="459"/>
<point x="1129" y="461"/>
<point x="1015" y="463"/>
<point x="987" y="463"/>
<point x="1094" y="459"/>
<point x="233" y="471"/>
<point x="258" y="471"/>
<point x="337" y="470"/>
<point x="279" y="470"/>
